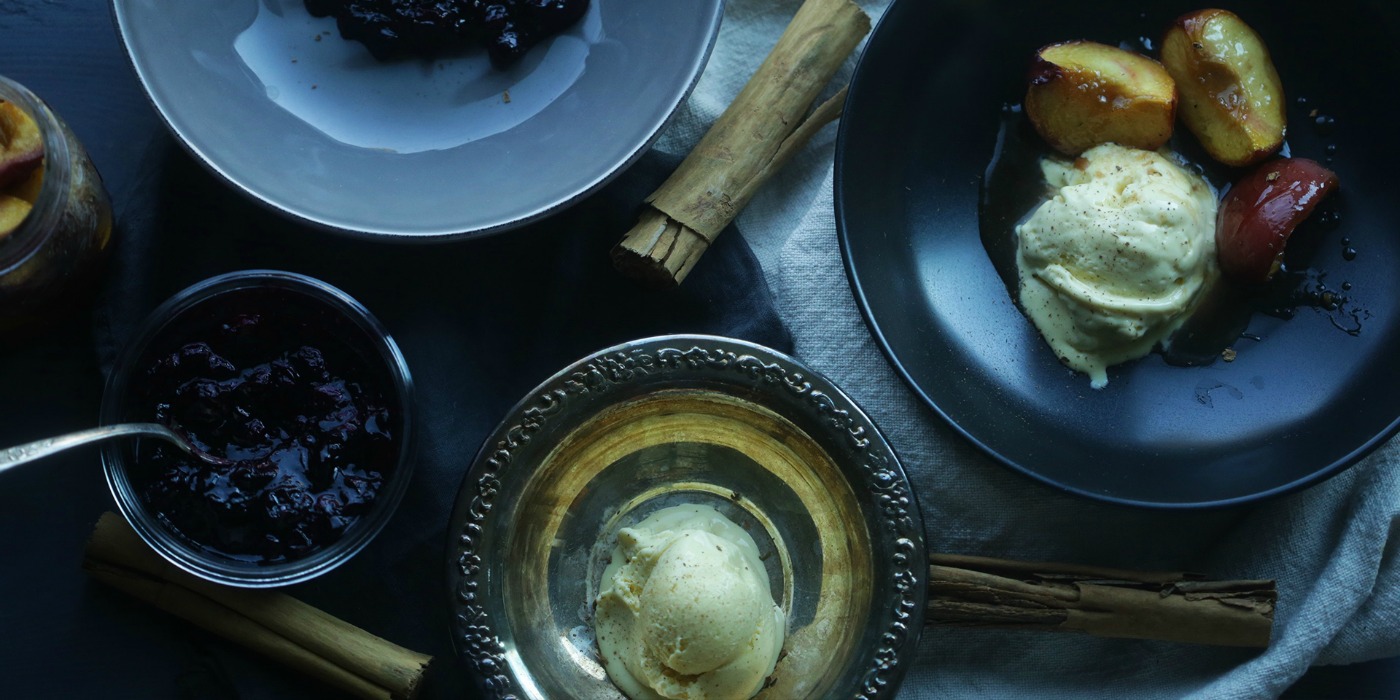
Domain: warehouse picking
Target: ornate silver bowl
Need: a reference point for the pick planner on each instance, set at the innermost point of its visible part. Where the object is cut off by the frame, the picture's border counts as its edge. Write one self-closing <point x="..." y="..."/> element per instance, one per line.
<point x="686" y="419"/>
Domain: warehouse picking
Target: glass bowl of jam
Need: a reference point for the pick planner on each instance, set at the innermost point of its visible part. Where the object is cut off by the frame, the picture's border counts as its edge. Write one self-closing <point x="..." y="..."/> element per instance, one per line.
<point x="304" y="400"/>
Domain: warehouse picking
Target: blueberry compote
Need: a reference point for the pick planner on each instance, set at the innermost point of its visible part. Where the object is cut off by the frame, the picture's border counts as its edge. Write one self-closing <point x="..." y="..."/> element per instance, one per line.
<point x="397" y="28"/>
<point x="265" y="379"/>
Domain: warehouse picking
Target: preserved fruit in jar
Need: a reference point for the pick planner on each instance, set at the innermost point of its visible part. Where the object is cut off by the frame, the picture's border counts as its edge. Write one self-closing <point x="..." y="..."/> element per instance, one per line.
<point x="55" y="215"/>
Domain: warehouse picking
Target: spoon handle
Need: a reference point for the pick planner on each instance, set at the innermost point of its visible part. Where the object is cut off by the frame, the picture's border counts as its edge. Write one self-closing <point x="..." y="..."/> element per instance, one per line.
<point x="23" y="454"/>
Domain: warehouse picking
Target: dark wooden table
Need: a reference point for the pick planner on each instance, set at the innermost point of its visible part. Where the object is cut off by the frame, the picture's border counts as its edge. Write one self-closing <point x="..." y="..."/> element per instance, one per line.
<point x="66" y="636"/>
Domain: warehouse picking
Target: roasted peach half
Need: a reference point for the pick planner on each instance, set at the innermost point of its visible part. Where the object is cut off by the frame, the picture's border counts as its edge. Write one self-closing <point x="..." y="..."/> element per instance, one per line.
<point x="1231" y="96"/>
<point x="1083" y="94"/>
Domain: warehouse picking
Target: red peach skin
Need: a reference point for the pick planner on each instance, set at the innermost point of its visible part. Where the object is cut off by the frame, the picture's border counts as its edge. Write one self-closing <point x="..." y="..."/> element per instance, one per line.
<point x="1260" y="212"/>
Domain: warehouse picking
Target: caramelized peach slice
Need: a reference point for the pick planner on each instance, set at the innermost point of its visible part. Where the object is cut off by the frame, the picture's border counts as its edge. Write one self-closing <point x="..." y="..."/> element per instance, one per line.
<point x="28" y="188"/>
<point x="12" y="213"/>
<point x="21" y="144"/>
<point x="1231" y="96"/>
<point x="1260" y="212"/>
<point x="1083" y="93"/>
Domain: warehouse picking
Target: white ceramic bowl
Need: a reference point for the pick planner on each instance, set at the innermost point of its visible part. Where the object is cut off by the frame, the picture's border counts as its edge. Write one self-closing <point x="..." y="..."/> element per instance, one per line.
<point x="276" y="103"/>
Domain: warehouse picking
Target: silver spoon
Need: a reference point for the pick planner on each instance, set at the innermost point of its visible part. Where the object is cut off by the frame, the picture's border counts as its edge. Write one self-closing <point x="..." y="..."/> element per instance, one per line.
<point x="23" y="454"/>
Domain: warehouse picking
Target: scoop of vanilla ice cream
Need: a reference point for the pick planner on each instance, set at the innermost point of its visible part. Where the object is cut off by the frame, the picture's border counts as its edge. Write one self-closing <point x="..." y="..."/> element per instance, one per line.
<point x="685" y="609"/>
<point x="1116" y="259"/>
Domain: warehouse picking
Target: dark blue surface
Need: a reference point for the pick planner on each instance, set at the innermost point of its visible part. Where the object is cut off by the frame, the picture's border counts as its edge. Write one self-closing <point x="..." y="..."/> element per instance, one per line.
<point x="1372" y="679"/>
<point x="480" y="323"/>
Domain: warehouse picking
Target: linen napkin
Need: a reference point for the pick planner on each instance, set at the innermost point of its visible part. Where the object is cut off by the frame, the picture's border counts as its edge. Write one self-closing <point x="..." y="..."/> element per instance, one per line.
<point x="1332" y="548"/>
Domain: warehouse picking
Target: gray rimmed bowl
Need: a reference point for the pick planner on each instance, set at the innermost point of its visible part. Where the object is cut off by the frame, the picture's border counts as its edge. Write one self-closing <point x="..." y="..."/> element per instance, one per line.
<point x="278" y="105"/>
<point x="341" y="321"/>
<point x="687" y="419"/>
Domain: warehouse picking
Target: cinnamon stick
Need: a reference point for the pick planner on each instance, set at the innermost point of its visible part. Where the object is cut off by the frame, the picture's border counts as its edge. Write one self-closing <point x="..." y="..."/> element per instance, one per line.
<point x="271" y="623"/>
<point x="972" y="591"/>
<point x="756" y="135"/>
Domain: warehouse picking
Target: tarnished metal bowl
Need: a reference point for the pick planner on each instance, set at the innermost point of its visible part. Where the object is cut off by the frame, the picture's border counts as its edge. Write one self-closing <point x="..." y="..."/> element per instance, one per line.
<point x="686" y="419"/>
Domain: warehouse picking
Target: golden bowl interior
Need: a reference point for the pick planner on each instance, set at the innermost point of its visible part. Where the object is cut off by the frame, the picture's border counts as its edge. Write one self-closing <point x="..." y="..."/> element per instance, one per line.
<point x="685" y="445"/>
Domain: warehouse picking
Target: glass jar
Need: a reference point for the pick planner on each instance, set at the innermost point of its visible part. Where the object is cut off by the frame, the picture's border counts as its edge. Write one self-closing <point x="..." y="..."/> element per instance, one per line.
<point x="49" y="263"/>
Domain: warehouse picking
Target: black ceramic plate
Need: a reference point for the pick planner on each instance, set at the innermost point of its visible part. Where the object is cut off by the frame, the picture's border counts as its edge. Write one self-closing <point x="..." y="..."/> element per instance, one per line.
<point x="1298" y="404"/>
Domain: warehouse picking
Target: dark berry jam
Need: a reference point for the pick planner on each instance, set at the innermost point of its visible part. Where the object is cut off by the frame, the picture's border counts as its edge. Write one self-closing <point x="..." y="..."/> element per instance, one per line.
<point x="399" y="28"/>
<point x="271" y="381"/>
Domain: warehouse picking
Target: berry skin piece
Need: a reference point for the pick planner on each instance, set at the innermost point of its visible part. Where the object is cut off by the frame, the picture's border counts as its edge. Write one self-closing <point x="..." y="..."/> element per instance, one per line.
<point x="394" y="29"/>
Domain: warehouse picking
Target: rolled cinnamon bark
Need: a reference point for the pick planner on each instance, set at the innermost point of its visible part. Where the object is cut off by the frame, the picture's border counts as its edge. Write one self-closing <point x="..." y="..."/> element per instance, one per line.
<point x="274" y="624"/>
<point x="754" y="137"/>
<point x="969" y="591"/>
